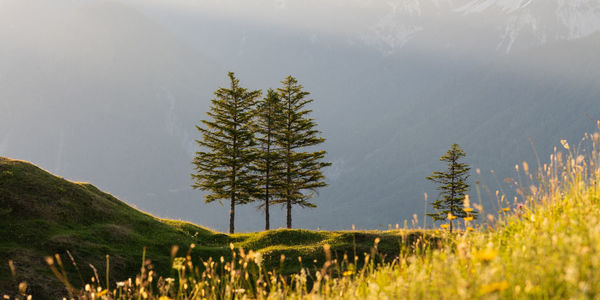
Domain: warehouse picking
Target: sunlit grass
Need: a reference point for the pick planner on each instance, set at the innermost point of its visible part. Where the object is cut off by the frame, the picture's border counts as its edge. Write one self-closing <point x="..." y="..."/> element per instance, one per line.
<point x="543" y="244"/>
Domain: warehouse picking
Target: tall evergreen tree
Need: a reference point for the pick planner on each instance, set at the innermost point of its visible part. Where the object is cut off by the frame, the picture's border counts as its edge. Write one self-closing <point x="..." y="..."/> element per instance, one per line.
<point x="302" y="169"/>
<point x="452" y="184"/>
<point x="268" y="163"/>
<point x="223" y="165"/>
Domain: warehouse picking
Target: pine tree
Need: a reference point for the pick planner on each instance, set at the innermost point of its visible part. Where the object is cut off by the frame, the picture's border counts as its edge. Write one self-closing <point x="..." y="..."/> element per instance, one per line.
<point x="268" y="163"/>
<point x="302" y="169"/>
<point x="452" y="185"/>
<point x="223" y="167"/>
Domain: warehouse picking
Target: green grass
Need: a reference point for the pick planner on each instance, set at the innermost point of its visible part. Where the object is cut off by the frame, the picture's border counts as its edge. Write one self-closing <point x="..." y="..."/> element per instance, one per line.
<point x="42" y="215"/>
<point x="545" y="245"/>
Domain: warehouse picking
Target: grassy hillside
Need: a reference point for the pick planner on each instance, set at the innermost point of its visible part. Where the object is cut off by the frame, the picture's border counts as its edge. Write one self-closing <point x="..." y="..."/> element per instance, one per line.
<point x="544" y="245"/>
<point x="42" y="214"/>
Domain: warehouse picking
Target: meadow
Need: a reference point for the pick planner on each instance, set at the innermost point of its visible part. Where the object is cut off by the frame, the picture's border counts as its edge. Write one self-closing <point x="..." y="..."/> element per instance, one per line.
<point x="42" y="215"/>
<point x="543" y="244"/>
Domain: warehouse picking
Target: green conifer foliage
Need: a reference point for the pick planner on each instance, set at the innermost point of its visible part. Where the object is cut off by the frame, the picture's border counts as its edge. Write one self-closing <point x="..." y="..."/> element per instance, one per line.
<point x="268" y="163"/>
<point x="302" y="174"/>
<point x="222" y="167"/>
<point x="452" y="184"/>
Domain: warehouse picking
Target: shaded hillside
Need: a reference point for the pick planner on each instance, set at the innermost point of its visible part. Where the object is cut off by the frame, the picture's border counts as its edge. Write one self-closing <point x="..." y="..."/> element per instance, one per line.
<point x="41" y="214"/>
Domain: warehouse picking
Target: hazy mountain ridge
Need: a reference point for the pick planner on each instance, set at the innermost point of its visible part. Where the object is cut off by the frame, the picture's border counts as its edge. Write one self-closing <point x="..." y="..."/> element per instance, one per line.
<point x="521" y="24"/>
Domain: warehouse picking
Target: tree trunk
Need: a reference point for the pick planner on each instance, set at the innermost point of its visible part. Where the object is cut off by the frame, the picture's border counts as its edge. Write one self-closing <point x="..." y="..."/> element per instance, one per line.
<point x="289" y="214"/>
<point x="232" y="216"/>
<point x="267" y="181"/>
<point x="267" y="223"/>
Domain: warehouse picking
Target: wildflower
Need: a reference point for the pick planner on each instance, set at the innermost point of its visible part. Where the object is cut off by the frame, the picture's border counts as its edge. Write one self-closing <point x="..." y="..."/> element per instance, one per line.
<point x="506" y="209"/>
<point x="487" y="254"/>
<point x="470" y="229"/>
<point x="468" y="209"/>
<point x="348" y="273"/>
<point x="469" y="218"/>
<point x="178" y="263"/>
<point x="520" y="206"/>
<point x="445" y="226"/>
<point x="102" y="293"/>
<point x="451" y="216"/>
<point x="494" y="287"/>
<point x="565" y="144"/>
<point x="533" y="189"/>
<point x="23" y="287"/>
<point x="164" y="298"/>
<point x="258" y="259"/>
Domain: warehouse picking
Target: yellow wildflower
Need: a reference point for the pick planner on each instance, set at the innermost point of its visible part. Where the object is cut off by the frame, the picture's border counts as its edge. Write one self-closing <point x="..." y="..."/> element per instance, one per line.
<point x="179" y="263"/>
<point x="506" y="209"/>
<point x="494" y="287"/>
<point x="445" y="226"/>
<point x="468" y="209"/>
<point x="451" y="217"/>
<point x="487" y="254"/>
<point x="469" y="218"/>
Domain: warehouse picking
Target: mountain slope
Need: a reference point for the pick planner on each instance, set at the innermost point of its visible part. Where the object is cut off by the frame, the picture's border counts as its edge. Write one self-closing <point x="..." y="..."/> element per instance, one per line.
<point x="542" y="94"/>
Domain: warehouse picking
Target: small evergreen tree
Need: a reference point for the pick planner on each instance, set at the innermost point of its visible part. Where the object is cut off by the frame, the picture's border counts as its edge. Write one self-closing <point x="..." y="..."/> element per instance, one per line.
<point x="452" y="184"/>
<point x="223" y="167"/>
<point x="302" y="169"/>
<point x="268" y="163"/>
